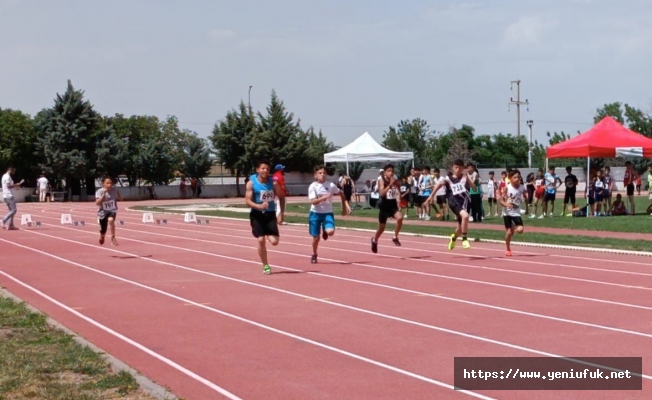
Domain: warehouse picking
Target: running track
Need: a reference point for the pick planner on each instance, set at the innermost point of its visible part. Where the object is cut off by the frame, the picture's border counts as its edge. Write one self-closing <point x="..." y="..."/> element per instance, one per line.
<point x="188" y="306"/>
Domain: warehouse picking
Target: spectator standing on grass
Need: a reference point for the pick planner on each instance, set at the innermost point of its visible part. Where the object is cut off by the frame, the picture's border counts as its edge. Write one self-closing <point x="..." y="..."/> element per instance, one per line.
<point x="199" y="185"/>
<point x="43" y="184"/>
<point x="347" y="186"/>
<point x="552" y="182"/>
<point x="10" y="201"/>
<point x="599" y="193"/>
<point x="193" y="186"/>
<point x="571" y="183"/>
<point x="608" y="188"/>
<point x="475" y="193"/>
<point x="629" y="180"/>
<point x="649" y="188"/>
<point x="279" y="177"/>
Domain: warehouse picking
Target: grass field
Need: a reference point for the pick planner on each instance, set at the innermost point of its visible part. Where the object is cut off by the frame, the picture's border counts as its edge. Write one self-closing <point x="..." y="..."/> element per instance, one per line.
<point x="640" y="223"/>
<point x="40" y="362"/>
<point x="566" y="240"/>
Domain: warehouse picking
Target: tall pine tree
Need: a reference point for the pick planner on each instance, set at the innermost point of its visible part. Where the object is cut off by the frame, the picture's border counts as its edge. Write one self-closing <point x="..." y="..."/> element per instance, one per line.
<point x="66" y="139"/>
<point x="279" y="139"/>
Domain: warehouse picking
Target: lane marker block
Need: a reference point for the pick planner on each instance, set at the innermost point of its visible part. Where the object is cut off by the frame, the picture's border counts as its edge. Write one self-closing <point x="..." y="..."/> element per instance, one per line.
<point x="148" y="218"/>
<point x="66" y="219"/>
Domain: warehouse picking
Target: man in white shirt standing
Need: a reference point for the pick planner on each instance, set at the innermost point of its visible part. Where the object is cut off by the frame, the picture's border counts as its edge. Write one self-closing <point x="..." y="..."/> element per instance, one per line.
<point x="321" y="216"/>
<point x="42" y="183"/>
<point x="8" y="195"/>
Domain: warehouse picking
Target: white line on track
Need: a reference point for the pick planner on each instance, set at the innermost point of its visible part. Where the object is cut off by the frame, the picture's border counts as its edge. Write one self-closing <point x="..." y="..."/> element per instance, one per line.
<point x="416" y="323"/>
<point x="224" y="313"/>
<point x="118" y="335"/>
<point x="591" y="281"/>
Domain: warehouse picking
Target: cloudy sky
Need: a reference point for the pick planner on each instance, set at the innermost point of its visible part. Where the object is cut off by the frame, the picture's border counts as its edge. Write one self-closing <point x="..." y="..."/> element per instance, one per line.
<point x="345" y="67"/>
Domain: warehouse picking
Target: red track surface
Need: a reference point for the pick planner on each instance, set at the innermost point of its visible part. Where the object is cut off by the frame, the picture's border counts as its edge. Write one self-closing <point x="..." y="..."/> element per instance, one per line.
<point x="189" y="307"/>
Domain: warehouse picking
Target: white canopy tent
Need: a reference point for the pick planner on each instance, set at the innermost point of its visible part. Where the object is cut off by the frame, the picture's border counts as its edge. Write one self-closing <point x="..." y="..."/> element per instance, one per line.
<point x="365" y="148"/>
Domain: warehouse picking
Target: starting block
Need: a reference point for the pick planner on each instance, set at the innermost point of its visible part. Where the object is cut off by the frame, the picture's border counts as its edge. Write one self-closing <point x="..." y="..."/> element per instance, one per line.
<point x="26" y="219"/>
<point x="77" y="223"/>
<point x="148" y="218"/>
<point x="66" y="219"/>
<point x="199" y="221"/>
<point x="122" y="222"/>
<point x="37" y="224"/>
<point x="190" y="217"/>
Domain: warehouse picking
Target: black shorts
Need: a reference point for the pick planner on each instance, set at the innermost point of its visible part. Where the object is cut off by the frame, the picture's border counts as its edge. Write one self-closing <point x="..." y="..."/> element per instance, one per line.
<point x="492" y="200"/>
<point x="441" y="199"/>
<point x="569" y="196"/>
<point x="416" y="200"/>
<point x="385" y="213"/>
<point x="530" y="194"/>
<point x="423" y="199"/>
<point x="263" y="223"/>
<point x="512" y="222"/>
<point x="104" y="220"/>
<point x="630" y="189"/>
<point x="549" y="197"/>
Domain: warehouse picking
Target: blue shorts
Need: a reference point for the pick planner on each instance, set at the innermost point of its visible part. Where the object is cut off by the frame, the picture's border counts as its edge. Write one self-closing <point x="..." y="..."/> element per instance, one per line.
<point x="317" y="220"/>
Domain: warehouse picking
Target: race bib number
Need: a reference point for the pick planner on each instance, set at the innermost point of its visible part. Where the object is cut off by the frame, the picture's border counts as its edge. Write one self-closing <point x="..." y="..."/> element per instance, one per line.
<point x="538" y="182"/>
<point x="266" y="196"/>
<point x="391" y="194"/>
<point x="458" y="188"/>
<point x="599" y="184"/>
<point x="108" y="205"/>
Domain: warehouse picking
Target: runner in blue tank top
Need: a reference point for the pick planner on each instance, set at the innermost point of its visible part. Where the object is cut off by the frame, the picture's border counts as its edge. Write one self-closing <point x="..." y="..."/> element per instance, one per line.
<point x="260" y="195"/>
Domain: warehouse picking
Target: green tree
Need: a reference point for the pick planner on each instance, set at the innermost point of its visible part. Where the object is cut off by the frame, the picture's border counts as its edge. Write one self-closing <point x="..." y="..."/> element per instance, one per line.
<point x="279" y="139"/>
<point x="230" y="140"/>
<point x="111" y="152"/>
<point x="158" y="162"/>
<point x="197" y="157"/>
<point x="134" y="131"/>
<point x="66" y="139"/>
<point x="459" y="148"/>
<point x="318" y="145"/>
<point x="18" y="144"/>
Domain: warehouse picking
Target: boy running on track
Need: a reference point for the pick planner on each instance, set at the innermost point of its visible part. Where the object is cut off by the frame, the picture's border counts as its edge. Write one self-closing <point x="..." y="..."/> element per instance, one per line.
<point x="321" y="215"/>
<point x="260" y="194"/>
<point x="107" y="199"/>
<point x="389" y="197"/>
<point x="457" y="185"/>
<point x="515" y="194"/>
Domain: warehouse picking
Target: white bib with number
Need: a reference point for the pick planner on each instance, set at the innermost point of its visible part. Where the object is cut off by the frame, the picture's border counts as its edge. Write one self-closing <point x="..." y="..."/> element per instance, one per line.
<point x="266" y="196"/>
<point x="599" y="184"/>
<point x="457" y="188"/>
<point x="108" y="205"/>
<point x="391" y="194"/>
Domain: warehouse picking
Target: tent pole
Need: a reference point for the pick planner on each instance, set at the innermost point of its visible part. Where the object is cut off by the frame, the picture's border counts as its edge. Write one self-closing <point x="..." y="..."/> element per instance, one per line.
<point x="588" y="177"/>
<point x="347" y="165"/>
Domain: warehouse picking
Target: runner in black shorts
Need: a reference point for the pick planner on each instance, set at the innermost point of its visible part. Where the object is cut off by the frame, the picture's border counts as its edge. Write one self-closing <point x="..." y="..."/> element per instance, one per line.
<point x="389" y="196"/>
<point x="261" y="190"/>
<point x="457" y="193"/>
<point x="511" y="201"/>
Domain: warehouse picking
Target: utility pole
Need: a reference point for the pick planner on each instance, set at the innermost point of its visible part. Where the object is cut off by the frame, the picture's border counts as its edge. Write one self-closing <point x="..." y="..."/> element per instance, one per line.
<point x="518" y="103"/>
<point x="530" y="147"/>
<point x="250" y="99"/>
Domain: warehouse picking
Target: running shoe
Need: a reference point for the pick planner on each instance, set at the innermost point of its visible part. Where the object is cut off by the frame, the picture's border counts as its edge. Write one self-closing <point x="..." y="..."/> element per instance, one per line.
<point x="396" y="242"/>
<point x="267" y="270"/>
<point x="466" y="244"/>
<point x="508" y="253"/>
<point x="101" y="239"/>
<point x="374" y="246"/>
<point x="451" y="244"/>
<point x="313" y="260"/>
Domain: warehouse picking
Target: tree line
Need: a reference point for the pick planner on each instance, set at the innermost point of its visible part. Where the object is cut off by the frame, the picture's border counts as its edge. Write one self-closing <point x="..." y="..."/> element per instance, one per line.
<point x="72" y="142"/>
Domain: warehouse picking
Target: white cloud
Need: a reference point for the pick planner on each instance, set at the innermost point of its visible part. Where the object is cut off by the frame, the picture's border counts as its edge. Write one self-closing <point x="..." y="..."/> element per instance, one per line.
<point x="528" y="30"/>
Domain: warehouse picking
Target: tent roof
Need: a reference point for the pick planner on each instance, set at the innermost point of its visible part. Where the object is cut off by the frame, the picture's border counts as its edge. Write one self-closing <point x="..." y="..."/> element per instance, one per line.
<point x="365" y="148"/>
<point x="608" y="138"/>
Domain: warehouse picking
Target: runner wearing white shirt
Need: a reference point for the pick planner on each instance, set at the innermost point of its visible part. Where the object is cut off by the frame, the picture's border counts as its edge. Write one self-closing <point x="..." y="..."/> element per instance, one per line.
<point x="515" y="194"/>
<point x="321" y="216"/>
<point x="10" y="201"/>
<point x="42" y="187"/>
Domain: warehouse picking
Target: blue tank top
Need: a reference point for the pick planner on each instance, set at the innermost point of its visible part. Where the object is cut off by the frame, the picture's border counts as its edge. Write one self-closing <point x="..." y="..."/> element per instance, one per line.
<point x="264" y="192"/>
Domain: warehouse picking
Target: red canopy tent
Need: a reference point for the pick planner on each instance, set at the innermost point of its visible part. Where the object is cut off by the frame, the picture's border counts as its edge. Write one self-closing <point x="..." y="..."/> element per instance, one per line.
<point x="608" y="138"/>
